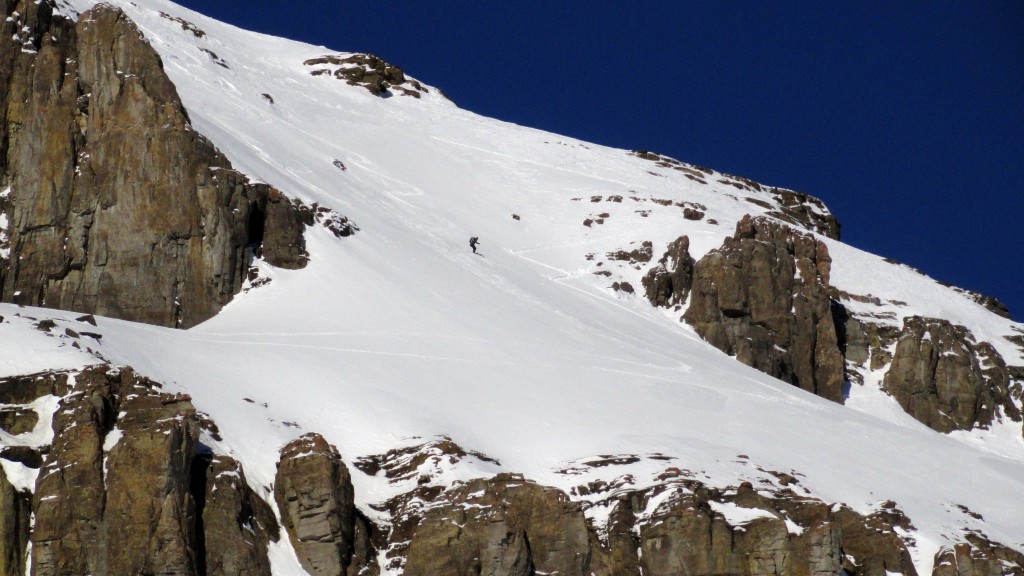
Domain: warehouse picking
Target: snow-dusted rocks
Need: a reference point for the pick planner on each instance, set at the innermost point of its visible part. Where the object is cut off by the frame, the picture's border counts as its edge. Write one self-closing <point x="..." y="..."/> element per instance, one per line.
<point x="504" y="525"/>
<point x="946" y="379"/>
<point x="668" y="284"/>
<point x="764" y="297"/>
<point x="441" y="376"/>
<point x="114" y="496"/>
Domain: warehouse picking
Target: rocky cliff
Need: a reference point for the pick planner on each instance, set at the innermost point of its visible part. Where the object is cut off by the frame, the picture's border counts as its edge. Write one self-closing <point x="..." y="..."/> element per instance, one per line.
<point x="127" y="487"/>
<point x="115" y="204"/>
<point x="764" y="297"/>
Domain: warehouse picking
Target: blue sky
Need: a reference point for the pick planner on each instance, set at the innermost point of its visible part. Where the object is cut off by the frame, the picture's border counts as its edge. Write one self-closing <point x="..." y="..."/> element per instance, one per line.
<point x="906" y="118"/>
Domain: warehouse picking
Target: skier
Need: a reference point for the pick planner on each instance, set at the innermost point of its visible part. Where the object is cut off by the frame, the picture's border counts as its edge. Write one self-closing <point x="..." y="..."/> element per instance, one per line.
<point x="473" y="241"/>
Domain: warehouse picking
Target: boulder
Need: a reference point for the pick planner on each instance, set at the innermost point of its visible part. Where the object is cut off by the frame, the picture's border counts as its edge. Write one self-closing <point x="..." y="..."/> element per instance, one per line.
<point x="27" y="388"/>
<point x="764" y="297"/>
<point x="16" y="421"/>
<point x="871" y="546"/>
<point x="978" y="556"/>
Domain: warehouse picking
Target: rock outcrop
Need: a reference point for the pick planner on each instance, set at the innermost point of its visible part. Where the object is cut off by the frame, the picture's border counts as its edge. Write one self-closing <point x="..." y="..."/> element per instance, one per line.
<point x="117" y="206"/>
<point x="368" y="71"/>
<point x="978" y="556"/>
<point x="314" y="494"/>
<point x="113" y="497"/>
<point x="945" y="379"/>
<point x="123" y="491"/>
<point x="503" y="525"/>
<point x="871" y="546"/>
<point x="668" y="284"/>
<point x="509" y="526"/>
<point x="764" y="297"/>
<point x="236" y="525"/>
<point x="15" y="511"/>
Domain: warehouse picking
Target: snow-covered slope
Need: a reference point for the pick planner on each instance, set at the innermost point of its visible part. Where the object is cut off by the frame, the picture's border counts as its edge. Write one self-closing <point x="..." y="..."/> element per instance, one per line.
<point x="522" y="352"/>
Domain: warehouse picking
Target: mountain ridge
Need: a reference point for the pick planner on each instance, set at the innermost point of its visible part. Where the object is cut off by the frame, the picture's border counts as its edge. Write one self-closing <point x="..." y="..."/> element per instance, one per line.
<point x="507" y="336"/>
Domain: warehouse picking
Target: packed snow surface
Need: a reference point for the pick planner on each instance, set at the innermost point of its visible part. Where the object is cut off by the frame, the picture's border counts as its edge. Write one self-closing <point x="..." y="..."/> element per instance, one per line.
<point x="400" y="334"/>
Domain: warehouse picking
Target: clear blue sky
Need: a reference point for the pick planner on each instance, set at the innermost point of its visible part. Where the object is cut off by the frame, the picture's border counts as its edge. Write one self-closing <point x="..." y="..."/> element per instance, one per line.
<point x="906" y="118"/>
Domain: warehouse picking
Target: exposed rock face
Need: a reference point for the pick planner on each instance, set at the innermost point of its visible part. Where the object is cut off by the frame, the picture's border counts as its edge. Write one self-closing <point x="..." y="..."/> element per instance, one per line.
<point x="237" y="526"/>
<point x="16" y="421"/>
<point x="25" y="389"/>
<point x="117" y="205"/>
<point x="314" y="494"/>
<point x="945" y="379"/>
<point x="978" y="557"/>
<point x="870" y="543"/>
<point x="69" y="494"/>
<point x="115" y="500"/>
<point x="668" y="283"/>
<point x="764" y="297"/>
<point x="688" y="534"/>
<point x="501" y="526"/>
<point x="15" y="510"/>
<point x="123" y="491"/>
<point x="509" y="526"/>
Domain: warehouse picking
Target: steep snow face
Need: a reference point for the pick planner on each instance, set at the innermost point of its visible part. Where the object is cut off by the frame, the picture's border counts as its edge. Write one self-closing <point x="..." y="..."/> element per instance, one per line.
<point x="521" y="352"/>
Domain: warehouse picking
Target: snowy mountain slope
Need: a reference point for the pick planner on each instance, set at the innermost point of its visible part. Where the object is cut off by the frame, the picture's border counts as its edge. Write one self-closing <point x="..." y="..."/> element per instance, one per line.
<point x="522" y="353"/>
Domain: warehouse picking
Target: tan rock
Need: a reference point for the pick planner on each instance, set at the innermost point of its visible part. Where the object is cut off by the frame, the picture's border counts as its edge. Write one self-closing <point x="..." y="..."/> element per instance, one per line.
<point x="315" y="497"/>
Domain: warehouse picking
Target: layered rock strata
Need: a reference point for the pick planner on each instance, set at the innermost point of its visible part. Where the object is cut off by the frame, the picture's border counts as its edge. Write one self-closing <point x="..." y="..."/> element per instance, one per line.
<point x="764" y="298"/>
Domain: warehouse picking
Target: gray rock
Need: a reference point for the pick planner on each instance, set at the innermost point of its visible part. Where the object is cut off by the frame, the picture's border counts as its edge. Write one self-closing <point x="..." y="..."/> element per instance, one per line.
<point x="502" y="526"/>
<point x="978" y="556"/>
<point x="126" y="511"/>
<point x="314" y="494"/>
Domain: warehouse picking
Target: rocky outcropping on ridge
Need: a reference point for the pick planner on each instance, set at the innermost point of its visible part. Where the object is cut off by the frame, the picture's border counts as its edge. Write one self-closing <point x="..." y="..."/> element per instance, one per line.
<point x="117" y="206"/>
<point x="764" y="298"/>
<point x="942" y="377"/>
<point x="668" y="283"/>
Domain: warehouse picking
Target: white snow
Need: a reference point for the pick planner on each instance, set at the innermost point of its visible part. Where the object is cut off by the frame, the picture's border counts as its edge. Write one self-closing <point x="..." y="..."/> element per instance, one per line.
<point x="737" y="516"/>
<point x="400" y="333"/>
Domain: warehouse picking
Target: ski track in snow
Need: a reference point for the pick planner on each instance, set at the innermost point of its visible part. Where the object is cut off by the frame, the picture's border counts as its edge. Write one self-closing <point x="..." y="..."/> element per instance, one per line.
<point x="400" y="332"/>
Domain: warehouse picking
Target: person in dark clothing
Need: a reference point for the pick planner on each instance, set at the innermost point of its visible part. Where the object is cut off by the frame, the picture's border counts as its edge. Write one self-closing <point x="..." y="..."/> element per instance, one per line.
<point x="473" y="241"/>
